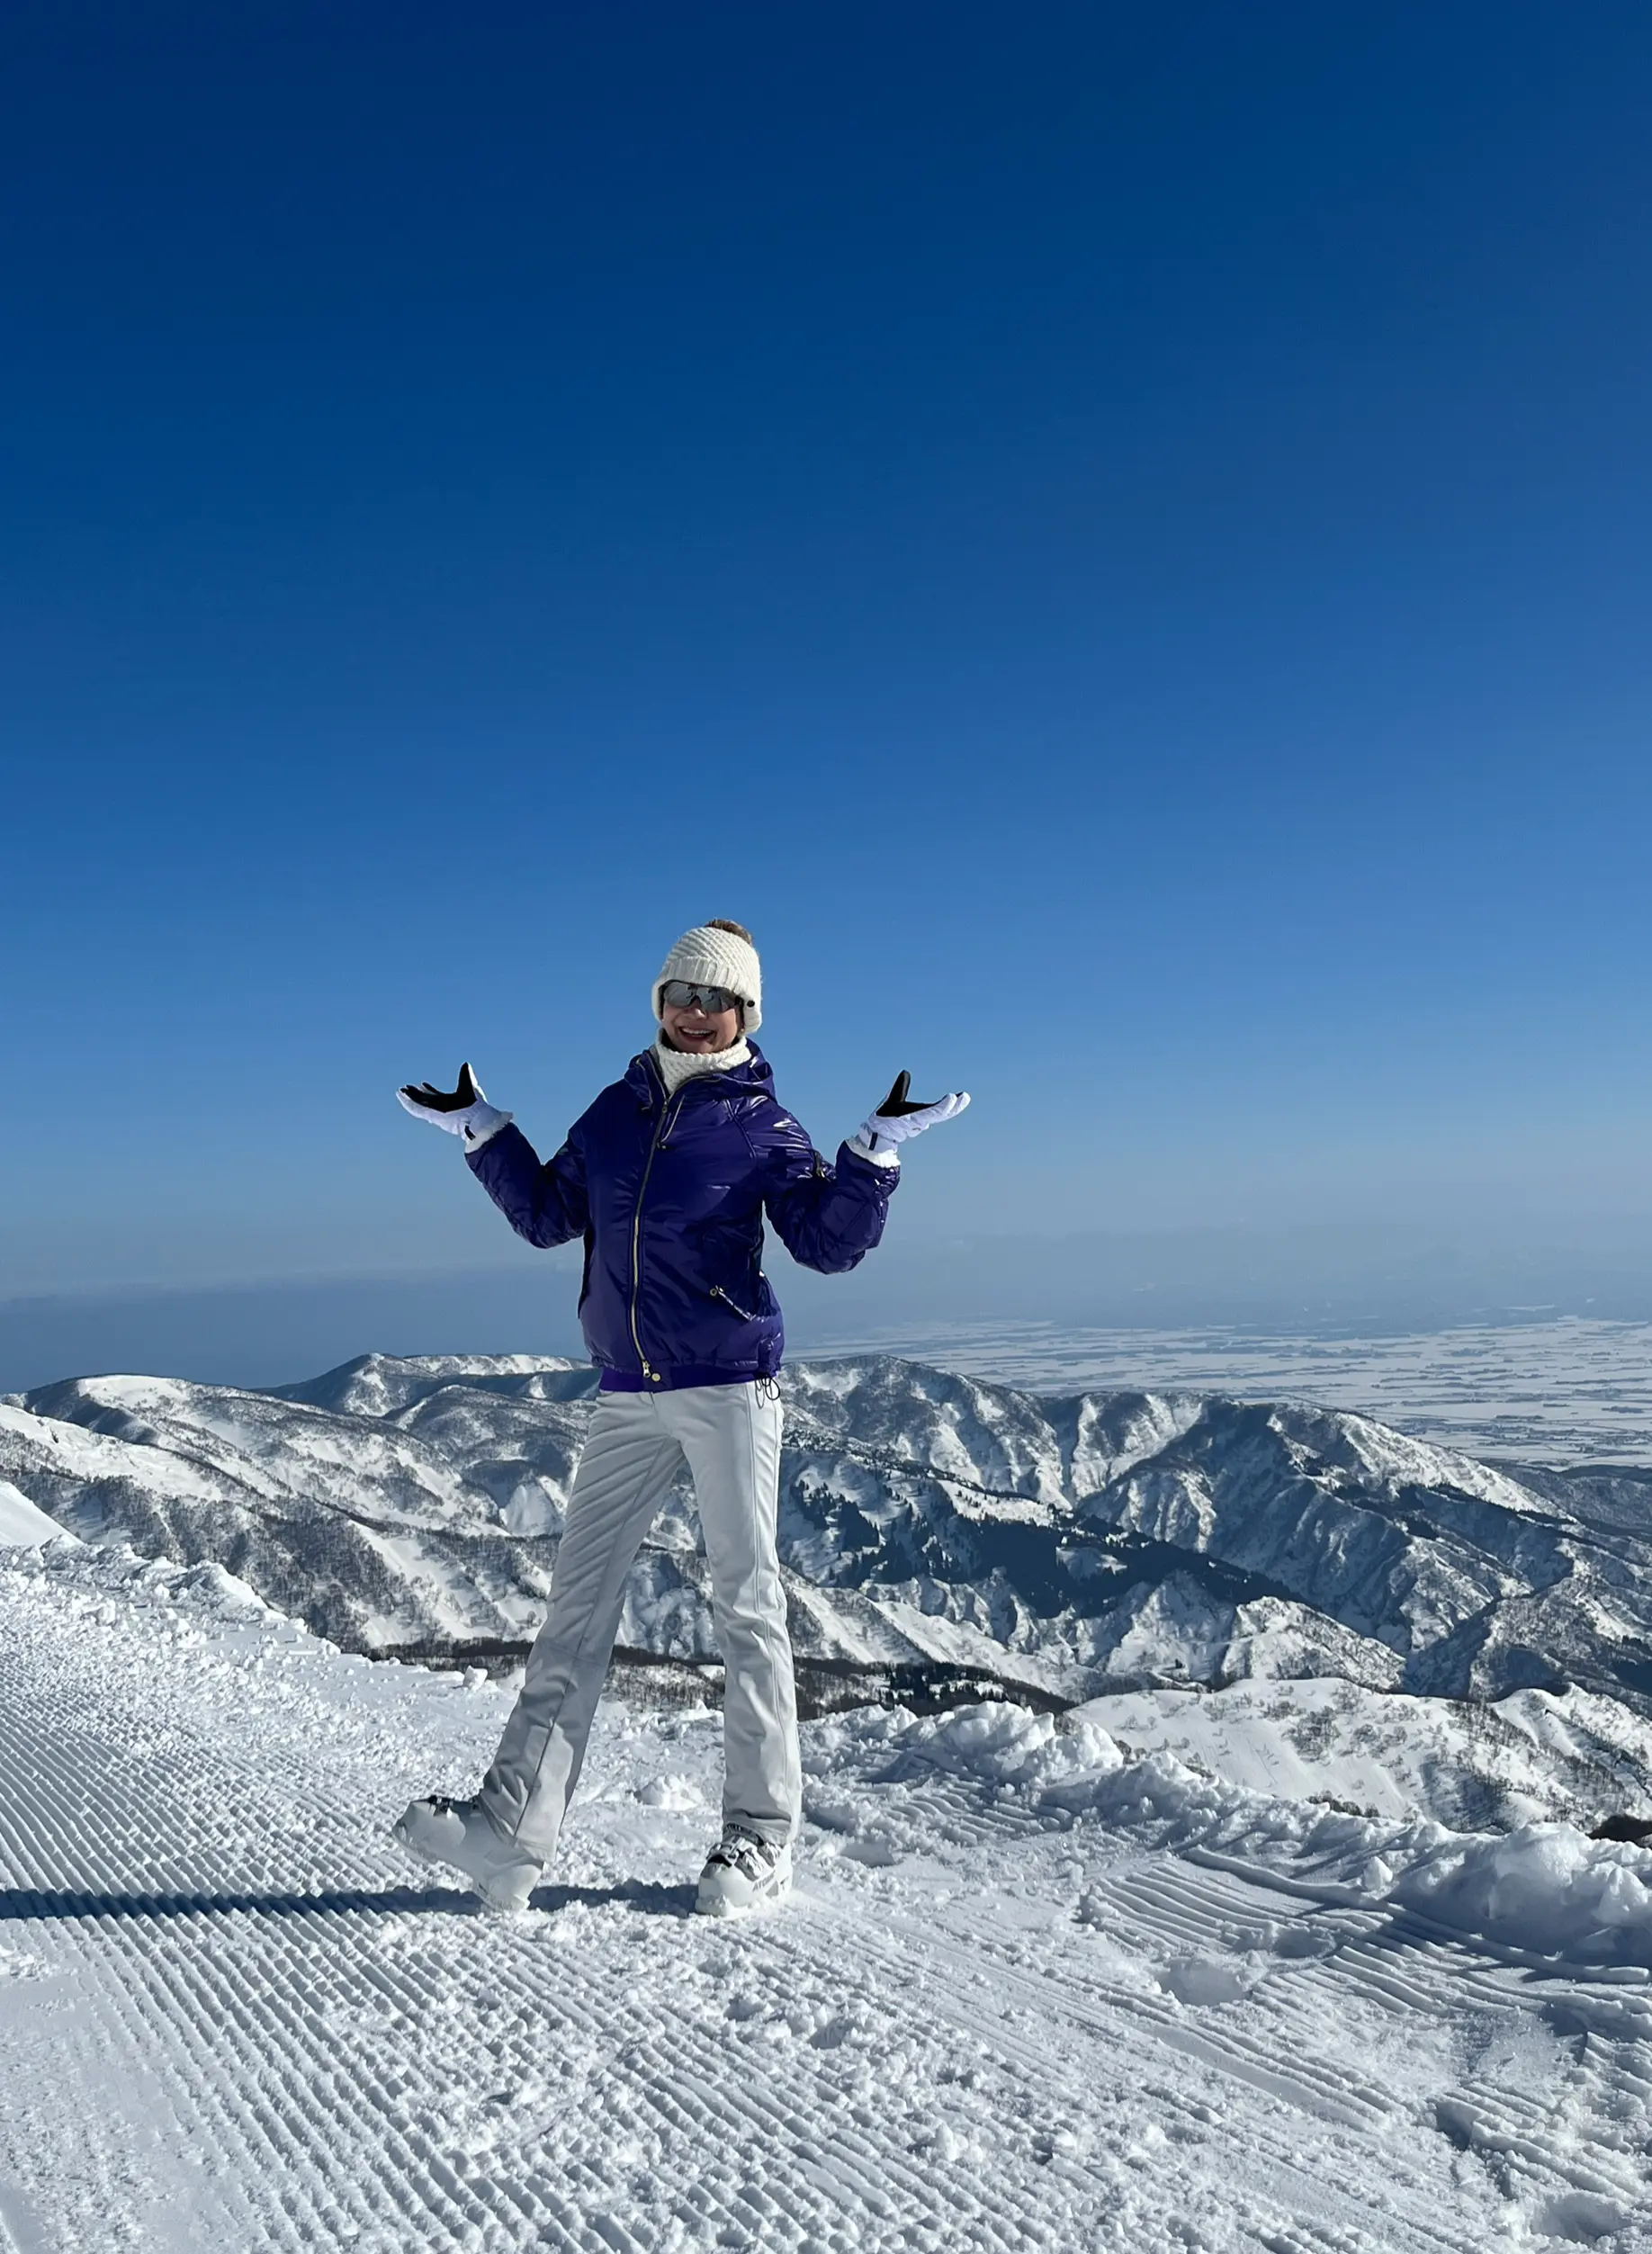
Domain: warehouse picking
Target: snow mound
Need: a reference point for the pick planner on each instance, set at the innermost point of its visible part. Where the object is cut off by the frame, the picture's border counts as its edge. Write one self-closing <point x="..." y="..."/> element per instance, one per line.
<point x="24" y="1526"/>
<point x="1543" y="1890"/>
<point x="1533" y="1755"/>
<point x="117" y="1572"/>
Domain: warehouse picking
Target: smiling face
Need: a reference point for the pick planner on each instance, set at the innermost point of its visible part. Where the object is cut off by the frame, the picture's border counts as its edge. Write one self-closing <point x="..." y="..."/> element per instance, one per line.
<point x="700" y="1032"/>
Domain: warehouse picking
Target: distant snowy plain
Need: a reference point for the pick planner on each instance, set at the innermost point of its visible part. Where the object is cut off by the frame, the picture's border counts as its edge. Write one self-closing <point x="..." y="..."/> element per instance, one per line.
<point x="1557" y="1390"/>
<point x="1285" y="1931"/>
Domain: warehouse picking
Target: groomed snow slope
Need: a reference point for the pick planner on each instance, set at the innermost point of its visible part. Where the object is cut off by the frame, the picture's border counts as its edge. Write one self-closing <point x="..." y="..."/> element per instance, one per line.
<point x="1030" y="1995"/>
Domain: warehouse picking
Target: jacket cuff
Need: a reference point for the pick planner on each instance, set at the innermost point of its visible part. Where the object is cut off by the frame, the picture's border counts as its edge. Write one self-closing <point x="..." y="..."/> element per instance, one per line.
<point x="483" y="1124"/>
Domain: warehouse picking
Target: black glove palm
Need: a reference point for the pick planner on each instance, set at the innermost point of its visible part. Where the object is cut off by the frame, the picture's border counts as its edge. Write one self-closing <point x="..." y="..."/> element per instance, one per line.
<point x="895" y="1104"/>
<point x="432" y="1099"/>
<point x="465" y="1111"/>
<point x="898" y="1118"/>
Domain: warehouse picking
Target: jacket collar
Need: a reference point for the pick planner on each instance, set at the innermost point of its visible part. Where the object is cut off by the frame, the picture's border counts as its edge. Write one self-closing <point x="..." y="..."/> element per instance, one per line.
<point x="755" y="1077"/>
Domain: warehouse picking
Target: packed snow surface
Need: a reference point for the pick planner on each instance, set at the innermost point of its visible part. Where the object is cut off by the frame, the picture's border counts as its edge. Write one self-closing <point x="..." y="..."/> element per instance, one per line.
<point x="1039" y="1989"/>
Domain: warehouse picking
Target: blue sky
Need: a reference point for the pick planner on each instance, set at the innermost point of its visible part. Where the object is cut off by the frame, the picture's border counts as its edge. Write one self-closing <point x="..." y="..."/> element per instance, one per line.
<point x="1118" y="540"/>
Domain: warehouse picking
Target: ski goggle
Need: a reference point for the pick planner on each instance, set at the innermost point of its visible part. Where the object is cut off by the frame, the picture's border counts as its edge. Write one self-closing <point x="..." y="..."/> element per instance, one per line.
<point x="680" y="995"/>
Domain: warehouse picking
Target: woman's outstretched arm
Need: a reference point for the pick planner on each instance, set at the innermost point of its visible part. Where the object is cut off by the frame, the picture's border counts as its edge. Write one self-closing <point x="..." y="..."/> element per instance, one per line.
<point x="828" y="1217"/>
<point x="546" y="1203"/>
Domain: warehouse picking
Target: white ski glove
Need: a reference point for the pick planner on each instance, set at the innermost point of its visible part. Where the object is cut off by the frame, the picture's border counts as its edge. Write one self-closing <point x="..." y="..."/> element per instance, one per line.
<point x="467" y="1112"/>
<point x="897" y="1119"/>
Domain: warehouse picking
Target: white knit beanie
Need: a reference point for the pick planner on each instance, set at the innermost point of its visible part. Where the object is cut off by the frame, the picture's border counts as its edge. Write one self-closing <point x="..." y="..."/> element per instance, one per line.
<point x="710" y="957"/>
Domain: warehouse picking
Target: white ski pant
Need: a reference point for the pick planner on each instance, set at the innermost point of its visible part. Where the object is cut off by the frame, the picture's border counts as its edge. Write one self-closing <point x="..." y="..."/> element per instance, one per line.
<point x="731" y="1437"/>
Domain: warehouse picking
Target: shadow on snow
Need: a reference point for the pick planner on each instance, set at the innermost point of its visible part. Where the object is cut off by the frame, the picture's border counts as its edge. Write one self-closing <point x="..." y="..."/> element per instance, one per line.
<point x="32" y="1903"/>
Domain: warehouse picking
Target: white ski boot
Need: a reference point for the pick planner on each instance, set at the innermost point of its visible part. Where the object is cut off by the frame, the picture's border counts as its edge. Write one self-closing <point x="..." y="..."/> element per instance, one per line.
<point x="459" y="1834"/>
<point x="743" y="1872"/>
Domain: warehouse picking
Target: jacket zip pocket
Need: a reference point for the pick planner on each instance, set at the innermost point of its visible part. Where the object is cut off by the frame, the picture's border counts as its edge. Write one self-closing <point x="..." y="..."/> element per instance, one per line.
<point x="717" y="1292"/>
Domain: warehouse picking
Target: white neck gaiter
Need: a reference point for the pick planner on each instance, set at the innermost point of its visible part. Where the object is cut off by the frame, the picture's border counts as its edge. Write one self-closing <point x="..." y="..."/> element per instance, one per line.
<point x="676" y="1065"/>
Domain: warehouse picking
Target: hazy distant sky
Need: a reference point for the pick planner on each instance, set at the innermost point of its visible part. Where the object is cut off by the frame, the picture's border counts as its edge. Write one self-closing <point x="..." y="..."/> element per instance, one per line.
<point x="1117" y="539"/>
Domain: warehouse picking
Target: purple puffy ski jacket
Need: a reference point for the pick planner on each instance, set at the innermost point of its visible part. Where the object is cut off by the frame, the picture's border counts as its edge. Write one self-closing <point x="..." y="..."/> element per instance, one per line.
<point x="669" y="1195"/>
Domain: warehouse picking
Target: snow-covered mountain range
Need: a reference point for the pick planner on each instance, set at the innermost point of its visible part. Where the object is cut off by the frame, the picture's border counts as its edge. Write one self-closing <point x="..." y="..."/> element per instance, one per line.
<point x="1118" y="1544"/>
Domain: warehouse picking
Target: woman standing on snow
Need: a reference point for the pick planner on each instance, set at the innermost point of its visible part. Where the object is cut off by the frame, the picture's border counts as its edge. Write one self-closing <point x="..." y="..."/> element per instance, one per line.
<point x="667" y="1178"/>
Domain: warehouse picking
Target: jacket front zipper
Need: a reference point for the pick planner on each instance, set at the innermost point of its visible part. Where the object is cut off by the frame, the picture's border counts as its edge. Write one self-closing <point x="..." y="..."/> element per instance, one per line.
<point x="652" y="1375"/>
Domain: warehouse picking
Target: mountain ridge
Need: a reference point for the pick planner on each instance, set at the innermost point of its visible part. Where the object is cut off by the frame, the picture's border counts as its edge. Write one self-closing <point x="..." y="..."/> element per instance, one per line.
<point x="1154" y="1538"/>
